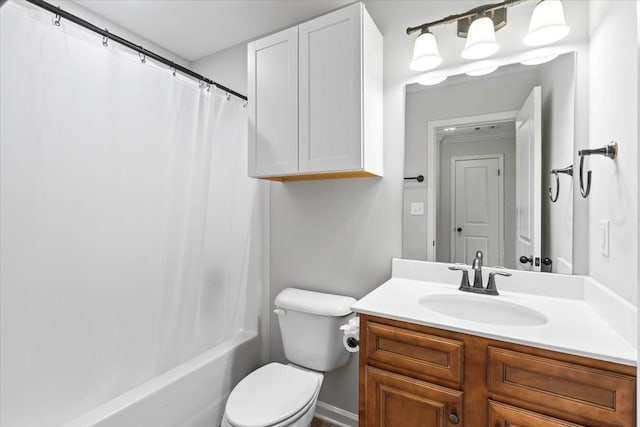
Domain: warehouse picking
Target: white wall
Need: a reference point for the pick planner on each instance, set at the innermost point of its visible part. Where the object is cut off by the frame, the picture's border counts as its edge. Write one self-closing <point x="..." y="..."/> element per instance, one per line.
<point x="613" y="116"/>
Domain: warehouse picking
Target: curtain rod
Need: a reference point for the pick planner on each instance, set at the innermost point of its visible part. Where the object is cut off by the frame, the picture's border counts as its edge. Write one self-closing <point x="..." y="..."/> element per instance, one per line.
<point x="147" y="53"/>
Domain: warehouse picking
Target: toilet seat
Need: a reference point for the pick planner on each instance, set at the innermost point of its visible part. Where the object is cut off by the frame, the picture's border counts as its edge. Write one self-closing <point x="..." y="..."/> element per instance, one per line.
<point x="271" y="395"/>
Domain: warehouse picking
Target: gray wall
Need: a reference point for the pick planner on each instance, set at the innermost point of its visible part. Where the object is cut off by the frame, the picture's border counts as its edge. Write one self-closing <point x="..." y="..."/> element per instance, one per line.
<point x="503" y="145"/>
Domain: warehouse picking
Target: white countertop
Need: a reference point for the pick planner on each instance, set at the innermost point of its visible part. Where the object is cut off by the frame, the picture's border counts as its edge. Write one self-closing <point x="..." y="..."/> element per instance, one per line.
<point x="574" y="325"/>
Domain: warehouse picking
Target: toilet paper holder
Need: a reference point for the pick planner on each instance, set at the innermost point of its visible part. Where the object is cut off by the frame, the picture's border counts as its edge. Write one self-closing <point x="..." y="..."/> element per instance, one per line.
<point x="352" y="333"/>
<point x="353" y="342"/>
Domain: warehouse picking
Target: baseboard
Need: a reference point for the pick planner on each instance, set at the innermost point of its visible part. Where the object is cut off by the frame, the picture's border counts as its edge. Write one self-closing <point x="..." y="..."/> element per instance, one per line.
<point x="335" y="415"/>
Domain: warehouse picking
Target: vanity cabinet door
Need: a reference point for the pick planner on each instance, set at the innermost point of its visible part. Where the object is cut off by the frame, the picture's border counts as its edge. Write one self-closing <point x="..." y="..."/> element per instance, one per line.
<point x="273" y="104"/>
<point x="501" y="415"/>
<point x="331" y="91"/>
<point x="393" y="400"/>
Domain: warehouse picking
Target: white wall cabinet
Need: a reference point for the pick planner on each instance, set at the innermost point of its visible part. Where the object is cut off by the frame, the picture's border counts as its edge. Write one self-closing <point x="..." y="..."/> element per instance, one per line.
<point x="315" y="99"/>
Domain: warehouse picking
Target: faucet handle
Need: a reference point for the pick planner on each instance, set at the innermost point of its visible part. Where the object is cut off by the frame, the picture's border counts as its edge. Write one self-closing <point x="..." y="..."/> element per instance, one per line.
<point x="491" y="285"/>
<point x="464" y="283"/>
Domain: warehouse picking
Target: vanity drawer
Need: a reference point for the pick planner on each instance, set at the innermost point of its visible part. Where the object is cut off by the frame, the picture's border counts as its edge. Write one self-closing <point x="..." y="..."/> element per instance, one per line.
<point x="575" y="392"/>
<point x="414" y="353"/>
<point x="501" y="415"/>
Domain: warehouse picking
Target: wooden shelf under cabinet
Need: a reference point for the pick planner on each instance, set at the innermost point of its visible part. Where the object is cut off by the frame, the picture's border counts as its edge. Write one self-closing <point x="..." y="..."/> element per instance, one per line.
<point x="410" y="372"/>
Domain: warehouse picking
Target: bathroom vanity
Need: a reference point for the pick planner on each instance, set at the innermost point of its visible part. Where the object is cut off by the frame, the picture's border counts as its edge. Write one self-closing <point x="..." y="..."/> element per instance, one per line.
<point x="547" y="354"/>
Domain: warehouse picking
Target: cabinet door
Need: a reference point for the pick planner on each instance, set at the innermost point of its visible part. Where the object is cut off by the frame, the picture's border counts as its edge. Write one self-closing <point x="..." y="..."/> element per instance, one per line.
<point x="501" y="415"/>
<point x="331" y="91"/>
<point x="273" y="104"/>
<point x="393" y="400"/>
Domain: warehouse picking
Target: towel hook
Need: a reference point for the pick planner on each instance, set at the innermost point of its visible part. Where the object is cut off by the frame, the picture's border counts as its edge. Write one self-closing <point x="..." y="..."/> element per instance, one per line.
<point x="569" y="171"/>
<point x="610" y="150"/>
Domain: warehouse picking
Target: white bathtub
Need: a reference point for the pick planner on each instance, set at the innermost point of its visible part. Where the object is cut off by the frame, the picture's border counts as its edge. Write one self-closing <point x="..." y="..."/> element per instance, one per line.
<point x="192" y="394"/>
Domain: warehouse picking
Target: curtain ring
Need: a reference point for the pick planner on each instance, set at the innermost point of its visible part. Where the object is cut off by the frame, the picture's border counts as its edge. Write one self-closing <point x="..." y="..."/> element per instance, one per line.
<point x="228" y="96"/>
<point x="143" y="57"/>
<point x="56" y="22"/>
<point x="173" y="71"/>
<point x="245" y="104"/>
<point x="105" y="39"/>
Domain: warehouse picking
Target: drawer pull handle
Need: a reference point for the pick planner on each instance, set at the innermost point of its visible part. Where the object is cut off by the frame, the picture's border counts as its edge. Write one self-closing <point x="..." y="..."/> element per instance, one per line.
<point x="453" y="418"/>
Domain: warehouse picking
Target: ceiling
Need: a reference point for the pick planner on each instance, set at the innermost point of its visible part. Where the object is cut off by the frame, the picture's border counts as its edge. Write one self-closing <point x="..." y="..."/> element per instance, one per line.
<point x="197" y="28"/>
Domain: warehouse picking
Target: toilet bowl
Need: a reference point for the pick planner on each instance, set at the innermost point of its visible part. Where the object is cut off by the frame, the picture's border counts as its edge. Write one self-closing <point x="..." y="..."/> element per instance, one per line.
<point x="278" y="395"/>
<point x="274" y="395"/>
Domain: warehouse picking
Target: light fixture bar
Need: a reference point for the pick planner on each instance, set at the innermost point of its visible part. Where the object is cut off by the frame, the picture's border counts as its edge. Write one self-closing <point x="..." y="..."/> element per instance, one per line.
<point x="471" y="13"/>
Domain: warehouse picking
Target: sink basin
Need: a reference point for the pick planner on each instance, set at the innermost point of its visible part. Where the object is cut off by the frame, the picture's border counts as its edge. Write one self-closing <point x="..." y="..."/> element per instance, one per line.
<point x="484" y="309"/>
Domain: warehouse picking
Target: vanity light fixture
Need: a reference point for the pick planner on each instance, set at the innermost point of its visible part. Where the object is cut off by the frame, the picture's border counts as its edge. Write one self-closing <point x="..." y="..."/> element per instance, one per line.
<point x="425" y="52"/>
<point x="481" y="39"/>
<point x="479" y="25"/>
<point x="547" y="24"/>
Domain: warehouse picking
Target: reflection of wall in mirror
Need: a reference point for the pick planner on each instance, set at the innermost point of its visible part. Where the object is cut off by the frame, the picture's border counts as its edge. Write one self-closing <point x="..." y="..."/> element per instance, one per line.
<point x="496" y="93"/>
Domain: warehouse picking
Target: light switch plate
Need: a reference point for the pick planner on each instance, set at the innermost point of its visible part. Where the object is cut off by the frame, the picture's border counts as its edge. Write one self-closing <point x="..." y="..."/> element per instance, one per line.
<point x="417" y="208"/>
<point x="604" y="237"/>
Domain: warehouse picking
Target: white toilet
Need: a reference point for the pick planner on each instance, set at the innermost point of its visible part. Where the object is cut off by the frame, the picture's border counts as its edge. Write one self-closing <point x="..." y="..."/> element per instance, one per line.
<point x="278" y="395"/>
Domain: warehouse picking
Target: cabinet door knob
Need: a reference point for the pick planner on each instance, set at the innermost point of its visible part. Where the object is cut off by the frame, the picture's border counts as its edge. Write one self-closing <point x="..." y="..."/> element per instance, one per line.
<point x="453" y="418"/>
<point x="459" y="229"/>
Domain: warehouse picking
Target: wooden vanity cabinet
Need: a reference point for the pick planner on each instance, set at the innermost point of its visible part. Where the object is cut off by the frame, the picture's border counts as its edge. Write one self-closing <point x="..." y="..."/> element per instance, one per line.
<point x="413" y="375"/>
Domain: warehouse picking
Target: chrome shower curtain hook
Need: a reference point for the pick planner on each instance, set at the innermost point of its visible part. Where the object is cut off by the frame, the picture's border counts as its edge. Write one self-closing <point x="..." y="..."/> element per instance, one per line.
<point x="105" y="39"/>
<point x="56" y="22"/>
<point x="173" y="71"/>
<point x="228" y="96"/>
<point x="143" y="57"/>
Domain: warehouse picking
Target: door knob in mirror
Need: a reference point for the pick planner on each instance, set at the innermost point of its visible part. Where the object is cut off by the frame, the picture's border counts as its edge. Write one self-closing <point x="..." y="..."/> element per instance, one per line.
<point x="525" y="260"/>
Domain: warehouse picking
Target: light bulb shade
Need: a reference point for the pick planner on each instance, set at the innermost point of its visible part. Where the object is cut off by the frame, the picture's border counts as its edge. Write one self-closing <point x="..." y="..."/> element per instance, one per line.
<point x="481" y="39"/>
<point x="425" y="53"/>
<point x="547" y="24"/>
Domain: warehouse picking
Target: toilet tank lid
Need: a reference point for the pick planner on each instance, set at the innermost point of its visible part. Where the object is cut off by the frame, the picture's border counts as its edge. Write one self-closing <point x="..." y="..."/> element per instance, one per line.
<point x="315" y="302"/>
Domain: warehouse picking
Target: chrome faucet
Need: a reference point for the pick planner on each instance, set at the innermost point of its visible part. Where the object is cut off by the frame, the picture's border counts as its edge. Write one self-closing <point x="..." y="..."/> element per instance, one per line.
<point x="477" y="268"/>
<point x="477" y="287"/>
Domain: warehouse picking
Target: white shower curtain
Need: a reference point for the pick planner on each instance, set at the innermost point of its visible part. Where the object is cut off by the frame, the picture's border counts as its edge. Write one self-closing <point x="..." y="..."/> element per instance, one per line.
<point x="128" y="228"/>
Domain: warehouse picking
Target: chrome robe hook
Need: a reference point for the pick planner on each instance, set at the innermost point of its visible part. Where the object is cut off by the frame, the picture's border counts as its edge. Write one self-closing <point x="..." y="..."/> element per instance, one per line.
<point x="610" y="150"/>
<point x="568" y="171"/>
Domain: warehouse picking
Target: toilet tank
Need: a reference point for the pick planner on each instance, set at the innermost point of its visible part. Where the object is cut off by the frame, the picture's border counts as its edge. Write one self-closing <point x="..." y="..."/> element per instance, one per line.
<point x="310" y="327"/>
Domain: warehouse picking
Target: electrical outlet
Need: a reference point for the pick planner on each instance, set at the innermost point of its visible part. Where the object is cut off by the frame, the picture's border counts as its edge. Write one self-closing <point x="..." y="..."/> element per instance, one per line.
<point x="604" y="237"/>
<point x="417" y="208"/>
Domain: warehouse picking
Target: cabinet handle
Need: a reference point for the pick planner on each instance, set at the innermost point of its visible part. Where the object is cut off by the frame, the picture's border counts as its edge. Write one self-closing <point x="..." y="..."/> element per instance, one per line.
<point x="453" y="418"/>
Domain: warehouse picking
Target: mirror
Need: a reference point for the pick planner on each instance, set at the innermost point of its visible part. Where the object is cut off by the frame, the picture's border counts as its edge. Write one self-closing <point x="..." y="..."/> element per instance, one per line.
<point x="486" y="147"/>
